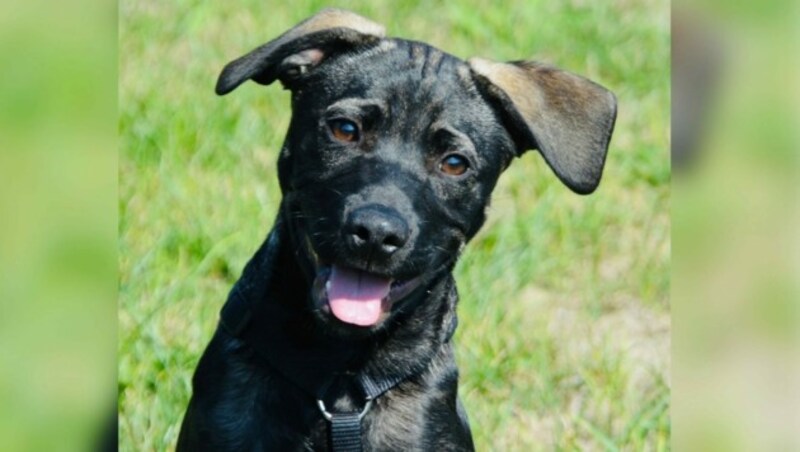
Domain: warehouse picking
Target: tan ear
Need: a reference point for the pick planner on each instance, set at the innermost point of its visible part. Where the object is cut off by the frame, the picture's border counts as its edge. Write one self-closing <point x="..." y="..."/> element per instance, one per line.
<point x="302" y="47"/>
<point x="568" y="118"/>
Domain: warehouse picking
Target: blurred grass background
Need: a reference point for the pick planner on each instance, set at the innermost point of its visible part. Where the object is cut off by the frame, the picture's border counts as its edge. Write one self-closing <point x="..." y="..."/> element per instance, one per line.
<point x="736" y="291"/>
<point x="564" y="334"/>
<point x="58" y="235"/>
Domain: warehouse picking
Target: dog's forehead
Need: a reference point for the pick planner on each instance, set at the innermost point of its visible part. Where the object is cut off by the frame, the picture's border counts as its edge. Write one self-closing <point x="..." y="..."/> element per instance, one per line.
<point x="409" y="69"/>
<point x="420" y="84"/>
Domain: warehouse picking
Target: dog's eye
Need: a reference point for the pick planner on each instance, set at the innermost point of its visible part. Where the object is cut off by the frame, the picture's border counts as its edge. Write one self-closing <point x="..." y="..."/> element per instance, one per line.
<point x="344" y="130"/>
<point x="454" y="165"/>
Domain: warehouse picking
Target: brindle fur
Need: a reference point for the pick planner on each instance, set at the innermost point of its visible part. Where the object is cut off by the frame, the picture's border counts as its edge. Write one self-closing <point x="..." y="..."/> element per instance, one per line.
<point x="414" y="104"/>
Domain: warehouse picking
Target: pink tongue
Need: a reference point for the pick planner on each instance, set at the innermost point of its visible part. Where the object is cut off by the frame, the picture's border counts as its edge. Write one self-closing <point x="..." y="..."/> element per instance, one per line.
<point x="355" y="296"/>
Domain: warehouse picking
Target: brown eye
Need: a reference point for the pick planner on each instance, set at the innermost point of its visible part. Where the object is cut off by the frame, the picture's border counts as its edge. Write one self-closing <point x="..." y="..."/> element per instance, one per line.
<point x="344" y="130"/>
<point x="454" y="165"/>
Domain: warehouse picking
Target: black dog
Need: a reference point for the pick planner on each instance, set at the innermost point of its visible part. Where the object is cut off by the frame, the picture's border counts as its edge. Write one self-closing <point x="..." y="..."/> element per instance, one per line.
<point x="337" y="336"/>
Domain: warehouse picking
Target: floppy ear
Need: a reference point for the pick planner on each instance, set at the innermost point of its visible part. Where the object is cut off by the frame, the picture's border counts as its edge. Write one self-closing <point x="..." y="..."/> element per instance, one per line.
<point x="568" y="118"/>
<point x="300" y="48"/>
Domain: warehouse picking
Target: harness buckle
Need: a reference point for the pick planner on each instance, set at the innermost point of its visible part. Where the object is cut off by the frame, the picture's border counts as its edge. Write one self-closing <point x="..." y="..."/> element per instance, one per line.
<point x="329" y="416"/>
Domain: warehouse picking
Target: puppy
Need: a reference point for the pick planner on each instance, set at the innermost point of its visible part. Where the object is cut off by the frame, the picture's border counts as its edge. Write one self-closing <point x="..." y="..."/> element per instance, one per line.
<point x="338" y="334"/>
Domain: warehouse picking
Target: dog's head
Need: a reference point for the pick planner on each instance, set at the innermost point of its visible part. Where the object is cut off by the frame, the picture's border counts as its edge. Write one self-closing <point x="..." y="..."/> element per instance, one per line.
<point x="394" y="148"/>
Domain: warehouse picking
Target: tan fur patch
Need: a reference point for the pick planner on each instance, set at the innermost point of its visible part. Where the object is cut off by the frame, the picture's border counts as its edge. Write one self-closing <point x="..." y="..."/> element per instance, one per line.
<point x="336" y="18"/>
<point x="515" y="82"/>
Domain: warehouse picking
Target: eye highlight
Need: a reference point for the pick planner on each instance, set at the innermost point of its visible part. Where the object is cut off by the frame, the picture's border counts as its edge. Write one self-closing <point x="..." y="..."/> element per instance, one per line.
<point x="344" y="130"/>
<point x="454" y="165"/>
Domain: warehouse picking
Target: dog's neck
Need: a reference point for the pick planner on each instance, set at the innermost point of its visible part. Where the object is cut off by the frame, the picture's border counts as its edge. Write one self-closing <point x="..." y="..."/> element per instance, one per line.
<point x="284" y="329"/>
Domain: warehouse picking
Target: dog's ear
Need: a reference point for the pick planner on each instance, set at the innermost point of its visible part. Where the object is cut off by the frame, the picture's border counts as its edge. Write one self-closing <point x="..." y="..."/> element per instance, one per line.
<point x="300" y="48"/>
<point x="569" y="119"/>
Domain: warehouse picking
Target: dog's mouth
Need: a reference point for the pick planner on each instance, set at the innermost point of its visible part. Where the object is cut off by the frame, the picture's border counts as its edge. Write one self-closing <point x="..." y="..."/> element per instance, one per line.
<point x="357" y="297"/>
<point x="353" y="296"/>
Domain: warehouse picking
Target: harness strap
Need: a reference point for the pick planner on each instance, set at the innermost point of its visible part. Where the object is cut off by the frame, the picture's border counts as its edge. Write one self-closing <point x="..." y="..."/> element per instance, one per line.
<point x="345" y="427"/>
<point x="346" y="432"/>
<point x="374" y="389"/>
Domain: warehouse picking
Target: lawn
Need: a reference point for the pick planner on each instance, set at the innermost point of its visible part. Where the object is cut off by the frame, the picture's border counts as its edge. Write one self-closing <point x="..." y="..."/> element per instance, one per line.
<point x="564" y="315"/>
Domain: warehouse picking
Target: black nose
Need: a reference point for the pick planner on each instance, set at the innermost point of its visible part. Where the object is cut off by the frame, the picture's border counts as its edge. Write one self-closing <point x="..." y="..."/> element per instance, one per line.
<point x="376" y="230"/>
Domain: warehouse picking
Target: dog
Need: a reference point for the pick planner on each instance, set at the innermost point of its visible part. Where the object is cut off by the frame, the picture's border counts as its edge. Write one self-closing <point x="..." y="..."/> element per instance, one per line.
<point x="338" y="334"/>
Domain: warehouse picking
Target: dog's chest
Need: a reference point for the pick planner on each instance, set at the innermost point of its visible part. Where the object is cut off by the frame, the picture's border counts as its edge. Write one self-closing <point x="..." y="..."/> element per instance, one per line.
<point x="401" y="419"/>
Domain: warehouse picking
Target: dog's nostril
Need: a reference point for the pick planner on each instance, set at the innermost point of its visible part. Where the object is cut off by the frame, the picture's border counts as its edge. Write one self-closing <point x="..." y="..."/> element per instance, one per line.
<point x="392" y="242"/>
<point x="362" y="233"/>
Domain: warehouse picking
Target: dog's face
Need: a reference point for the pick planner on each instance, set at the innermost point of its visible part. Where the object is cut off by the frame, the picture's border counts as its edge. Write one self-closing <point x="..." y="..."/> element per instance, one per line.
<point x="387" y="169"/>
<point x="394" y="148"/>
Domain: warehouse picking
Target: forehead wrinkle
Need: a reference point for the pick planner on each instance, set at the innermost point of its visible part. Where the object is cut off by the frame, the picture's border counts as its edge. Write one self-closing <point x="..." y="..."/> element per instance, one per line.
<point x="424" y="68"/>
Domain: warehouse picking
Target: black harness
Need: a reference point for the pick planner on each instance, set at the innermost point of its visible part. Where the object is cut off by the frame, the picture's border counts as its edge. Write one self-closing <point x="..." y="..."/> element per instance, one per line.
<point x="236" y="315"/>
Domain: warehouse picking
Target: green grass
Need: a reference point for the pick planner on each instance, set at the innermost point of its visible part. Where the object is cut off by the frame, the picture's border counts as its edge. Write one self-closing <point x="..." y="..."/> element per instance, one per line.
<point x="564" y="336"/>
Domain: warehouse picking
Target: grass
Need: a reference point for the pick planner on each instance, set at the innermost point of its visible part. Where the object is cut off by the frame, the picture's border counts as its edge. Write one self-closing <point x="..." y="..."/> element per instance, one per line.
<point x="564" y="313"/>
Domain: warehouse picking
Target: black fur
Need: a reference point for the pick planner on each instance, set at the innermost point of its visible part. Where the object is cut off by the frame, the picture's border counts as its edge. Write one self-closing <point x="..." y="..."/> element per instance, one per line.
<point x="414" y="106"/>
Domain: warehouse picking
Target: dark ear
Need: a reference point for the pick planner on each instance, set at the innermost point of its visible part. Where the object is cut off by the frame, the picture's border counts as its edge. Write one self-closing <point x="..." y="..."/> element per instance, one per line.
<point x="300" y="48"/>
<point x="568" y="118"/>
